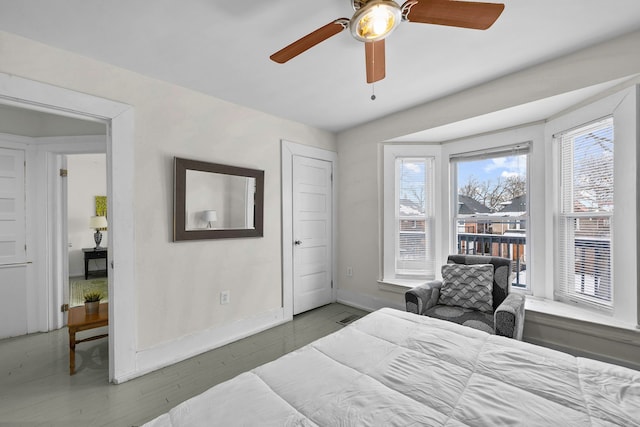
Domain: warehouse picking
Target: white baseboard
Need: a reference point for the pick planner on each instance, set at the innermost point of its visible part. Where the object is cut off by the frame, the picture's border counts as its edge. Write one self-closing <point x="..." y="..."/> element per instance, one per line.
<point x="175" y="351"/>
<point x="365" y="302"/>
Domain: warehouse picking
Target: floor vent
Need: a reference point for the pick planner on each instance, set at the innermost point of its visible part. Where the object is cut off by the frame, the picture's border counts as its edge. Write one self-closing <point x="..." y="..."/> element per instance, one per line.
<point x="348" y="319"/>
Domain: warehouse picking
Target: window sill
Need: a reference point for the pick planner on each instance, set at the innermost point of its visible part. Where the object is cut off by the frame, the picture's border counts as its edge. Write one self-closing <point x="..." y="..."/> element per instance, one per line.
<point x="534" y="306"/>
<point x="572" y="313"/>
<point x="399" y="286"/>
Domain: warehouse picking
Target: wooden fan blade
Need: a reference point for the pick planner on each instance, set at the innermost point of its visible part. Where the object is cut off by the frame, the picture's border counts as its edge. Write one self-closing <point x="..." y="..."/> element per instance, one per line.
<point x="374" y="55"/>
<point x="310" y="40"/>
<point x="453" y="13"/>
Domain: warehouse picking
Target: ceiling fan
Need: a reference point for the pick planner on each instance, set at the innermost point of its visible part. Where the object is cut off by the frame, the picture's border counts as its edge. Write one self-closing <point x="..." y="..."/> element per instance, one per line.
<point x="374" y="20"/>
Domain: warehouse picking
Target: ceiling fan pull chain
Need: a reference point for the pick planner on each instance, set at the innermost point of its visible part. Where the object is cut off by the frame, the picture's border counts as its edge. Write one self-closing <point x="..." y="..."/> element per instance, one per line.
<point x="373" y="91"/>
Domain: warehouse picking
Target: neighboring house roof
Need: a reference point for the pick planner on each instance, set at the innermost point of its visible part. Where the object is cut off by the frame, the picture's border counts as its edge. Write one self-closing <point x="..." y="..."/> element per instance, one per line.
<point x="517" y="204"/>
<point x="587" y="205"/>
<point x="469" y="206"/>
<point x="409" y="207"/>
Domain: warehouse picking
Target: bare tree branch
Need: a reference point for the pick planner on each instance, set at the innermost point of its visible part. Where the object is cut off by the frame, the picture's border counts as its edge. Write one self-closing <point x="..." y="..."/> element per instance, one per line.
<point x="494" y="194"/>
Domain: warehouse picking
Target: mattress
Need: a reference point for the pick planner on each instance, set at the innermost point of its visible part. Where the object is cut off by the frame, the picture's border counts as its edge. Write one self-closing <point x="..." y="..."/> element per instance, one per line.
<point x="392" y="368"/>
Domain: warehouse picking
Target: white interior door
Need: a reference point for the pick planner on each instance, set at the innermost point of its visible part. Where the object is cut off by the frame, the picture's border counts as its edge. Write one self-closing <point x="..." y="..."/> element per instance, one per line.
<point x="312" y="233"/>
<point x="13" y="278"/>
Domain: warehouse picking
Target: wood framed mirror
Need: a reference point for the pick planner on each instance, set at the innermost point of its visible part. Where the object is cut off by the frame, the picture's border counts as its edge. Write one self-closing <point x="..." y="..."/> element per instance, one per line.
<point x="215" y="201"/>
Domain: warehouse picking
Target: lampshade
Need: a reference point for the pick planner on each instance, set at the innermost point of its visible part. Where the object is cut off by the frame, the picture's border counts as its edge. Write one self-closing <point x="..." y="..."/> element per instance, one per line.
<point x="210" y="216"/>
<point x="375" y="20"/>
<point x="98" y="222"/>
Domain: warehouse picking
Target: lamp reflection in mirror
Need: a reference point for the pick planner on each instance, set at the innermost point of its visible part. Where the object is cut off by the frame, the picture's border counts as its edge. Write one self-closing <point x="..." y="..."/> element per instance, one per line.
<point x="209" y="217"/>
<point x="97" y="222"/>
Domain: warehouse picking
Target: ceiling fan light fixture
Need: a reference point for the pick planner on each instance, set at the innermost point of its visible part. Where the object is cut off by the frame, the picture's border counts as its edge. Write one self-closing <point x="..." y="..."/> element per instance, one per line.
<point x="375" y="20"/>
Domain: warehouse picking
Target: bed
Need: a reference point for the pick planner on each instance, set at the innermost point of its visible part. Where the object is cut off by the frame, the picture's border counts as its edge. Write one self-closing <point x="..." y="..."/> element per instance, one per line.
<point x="396" y="368"/>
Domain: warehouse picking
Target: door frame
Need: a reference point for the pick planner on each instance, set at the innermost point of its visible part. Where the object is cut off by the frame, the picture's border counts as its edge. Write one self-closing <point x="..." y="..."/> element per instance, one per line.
<point x="119" y="119"/>
<point x="289" y="150"/>
<point x="55" y="150"/>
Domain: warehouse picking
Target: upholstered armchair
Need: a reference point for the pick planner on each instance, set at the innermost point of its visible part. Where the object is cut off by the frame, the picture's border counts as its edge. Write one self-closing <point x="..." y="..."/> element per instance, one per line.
<point x="474" y="291"/>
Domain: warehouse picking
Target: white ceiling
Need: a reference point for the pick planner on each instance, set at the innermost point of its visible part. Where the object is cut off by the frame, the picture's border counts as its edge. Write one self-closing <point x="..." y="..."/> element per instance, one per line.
<point x="222" y="48"/>
<point x="531" y="112"/>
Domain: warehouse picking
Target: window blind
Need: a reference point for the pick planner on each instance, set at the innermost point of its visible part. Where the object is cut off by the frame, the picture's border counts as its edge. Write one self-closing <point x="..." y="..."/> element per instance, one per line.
<point x="584" y="273"/>
<point x="490" y="153"/>
<point x="414" y="234"/>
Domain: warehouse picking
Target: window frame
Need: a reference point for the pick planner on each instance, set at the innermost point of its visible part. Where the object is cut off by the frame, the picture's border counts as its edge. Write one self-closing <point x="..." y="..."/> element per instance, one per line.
<point x="561" y="216"/>
<point x="504" y="150"/>
<point x="623" y="106"/>
<point x="428" y="218"/>
<point x="391" y="152"/>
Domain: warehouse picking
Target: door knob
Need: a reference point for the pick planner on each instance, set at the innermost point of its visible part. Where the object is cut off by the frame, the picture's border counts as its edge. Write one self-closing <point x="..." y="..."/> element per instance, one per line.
<point x="297" y="242"/>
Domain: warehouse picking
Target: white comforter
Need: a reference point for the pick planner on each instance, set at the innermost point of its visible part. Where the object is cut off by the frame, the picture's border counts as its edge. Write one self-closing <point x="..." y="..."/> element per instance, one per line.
<point x="396" y="368"/>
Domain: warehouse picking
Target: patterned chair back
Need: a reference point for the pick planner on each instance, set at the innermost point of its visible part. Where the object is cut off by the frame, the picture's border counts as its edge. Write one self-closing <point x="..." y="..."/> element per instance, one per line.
<point x="501" y="273"/>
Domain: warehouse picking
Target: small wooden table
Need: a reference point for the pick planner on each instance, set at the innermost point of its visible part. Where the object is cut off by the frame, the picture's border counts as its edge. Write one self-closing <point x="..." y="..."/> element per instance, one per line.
<point x="95" y="253"/>
<point x="80" y="321"/>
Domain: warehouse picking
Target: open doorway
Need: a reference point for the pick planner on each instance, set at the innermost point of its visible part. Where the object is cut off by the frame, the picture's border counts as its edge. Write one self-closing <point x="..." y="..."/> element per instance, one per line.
<point x="35" y="280"/>
<point x="119" y="121"/>
<point x="87" y="228"/>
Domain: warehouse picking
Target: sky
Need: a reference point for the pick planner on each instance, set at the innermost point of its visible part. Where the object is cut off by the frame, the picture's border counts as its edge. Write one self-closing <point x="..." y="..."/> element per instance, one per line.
<point x="492" y="169"/>
<point x="483" y="170"/>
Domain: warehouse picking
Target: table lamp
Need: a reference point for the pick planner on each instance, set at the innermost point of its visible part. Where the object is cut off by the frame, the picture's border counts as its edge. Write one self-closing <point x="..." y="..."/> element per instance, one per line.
<point x="210" y="216"/>
<point x="97" y="222"/>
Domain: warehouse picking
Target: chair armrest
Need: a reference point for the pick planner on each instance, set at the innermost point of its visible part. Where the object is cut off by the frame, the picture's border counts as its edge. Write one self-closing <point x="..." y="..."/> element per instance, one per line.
<point x="509" y="317"/>
<point x="423" y="297"/>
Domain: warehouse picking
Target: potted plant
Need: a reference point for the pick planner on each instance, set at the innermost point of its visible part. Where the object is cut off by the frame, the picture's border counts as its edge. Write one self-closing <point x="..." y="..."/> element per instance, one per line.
<point x="92" y="302"/>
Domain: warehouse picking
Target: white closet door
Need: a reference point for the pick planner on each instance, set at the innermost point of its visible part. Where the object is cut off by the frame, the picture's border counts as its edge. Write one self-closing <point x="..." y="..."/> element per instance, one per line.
<point x="312" y="223"/>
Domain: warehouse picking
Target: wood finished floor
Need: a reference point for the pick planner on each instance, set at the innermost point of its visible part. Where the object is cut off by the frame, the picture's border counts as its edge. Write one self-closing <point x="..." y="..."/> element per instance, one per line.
<point x="36" y="389"/>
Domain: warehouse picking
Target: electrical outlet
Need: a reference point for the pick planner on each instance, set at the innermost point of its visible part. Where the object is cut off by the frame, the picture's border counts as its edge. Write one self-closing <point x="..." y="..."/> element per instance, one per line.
<point x="225" y="297"/>
<point x="349" y="271"/>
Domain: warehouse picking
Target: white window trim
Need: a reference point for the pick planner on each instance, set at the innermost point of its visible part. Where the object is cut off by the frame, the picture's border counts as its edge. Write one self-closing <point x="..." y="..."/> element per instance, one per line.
<point x="571" y="311"/>
<point x="390" y="153"/>
<point x="623" y="107"/>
